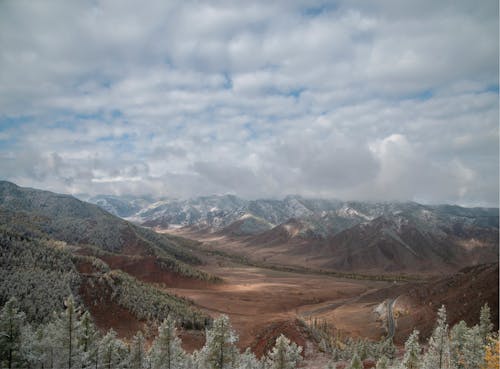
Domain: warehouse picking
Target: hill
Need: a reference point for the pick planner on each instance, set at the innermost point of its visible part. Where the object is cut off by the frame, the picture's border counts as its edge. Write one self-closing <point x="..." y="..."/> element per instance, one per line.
<point x="40" y="274"/>
<point x="43" y="214"/>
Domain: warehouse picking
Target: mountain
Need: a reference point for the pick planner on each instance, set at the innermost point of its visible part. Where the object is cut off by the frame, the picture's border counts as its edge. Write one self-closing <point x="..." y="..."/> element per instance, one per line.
<point x="53" y="245"/>
<point x="400" y="243"/>
<point x="121" y="206"/>
<point x="42" y="273"/>
<point x="463" y="293"/>
<point x="41" y="214"/>
<point x="340" y="235"/>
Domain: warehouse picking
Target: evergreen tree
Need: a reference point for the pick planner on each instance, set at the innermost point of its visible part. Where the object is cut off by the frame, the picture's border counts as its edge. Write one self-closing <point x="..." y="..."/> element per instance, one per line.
<point x="356" y="362"/>
<point x="248" y="360"/>
<point x="473" y="348"/>
<point x="485" y="325"/>
<point x="111" y="351"/>
<point x="220" y="351"/>
<point x="137" y="357"/>
<point x="166" y="352"/>
<point x="88" y="340"/>
<point x="11" y="324"/>
<point x="411" y="359"/>
<point x="438" y="355"/>
<point x="67" y="336"/>
<point x="284" y="355"/>
<point x="386" y="348"/>
<point x="382" y="363"/>
<point x="458" y="337"/>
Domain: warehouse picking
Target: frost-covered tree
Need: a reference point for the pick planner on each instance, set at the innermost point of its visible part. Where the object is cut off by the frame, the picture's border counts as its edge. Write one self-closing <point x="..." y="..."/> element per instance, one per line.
<point x="382" y="363"/>
<point x="137" y="358"/>
<point x="220" y="350"/>
<point x="67" y="336"/>
<point x="166" y="352"/>
<point x="111" y="352"/>
<point x="485" y="325"/>
<point x="411" y="359"/>
<point x="88" y="341"/>
<point x="458" y="336"/>
<point x="247" y="360"/>
<point x="11" y="324"/>
<point x="473" y="349"/>
<point x="386" y="348"/>
<point x="284" y="355"/>
<point x="193" y="361"/>
<point x="356" y="362"/>
<point x="438" y="355"/>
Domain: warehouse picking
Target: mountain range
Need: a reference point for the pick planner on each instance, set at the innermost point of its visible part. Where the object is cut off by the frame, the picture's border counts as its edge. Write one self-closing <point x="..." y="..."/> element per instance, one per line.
<point x="330" y="234"/>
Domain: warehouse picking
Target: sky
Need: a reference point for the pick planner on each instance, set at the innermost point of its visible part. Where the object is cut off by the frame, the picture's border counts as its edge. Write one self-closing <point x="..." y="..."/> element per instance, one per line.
<point x="361" y="100"/>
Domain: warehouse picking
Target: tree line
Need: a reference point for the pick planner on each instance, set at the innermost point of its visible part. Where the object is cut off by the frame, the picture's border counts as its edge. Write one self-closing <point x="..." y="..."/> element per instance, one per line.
<point x="70" y="340"/>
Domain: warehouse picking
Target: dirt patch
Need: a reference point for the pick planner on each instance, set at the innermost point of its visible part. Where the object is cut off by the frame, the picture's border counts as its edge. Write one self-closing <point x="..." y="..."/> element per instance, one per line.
<point x="107" y="313"/>
<point x="255" y="299"/>
<point x="148" y="269"/>
<point x="294" y="330"/>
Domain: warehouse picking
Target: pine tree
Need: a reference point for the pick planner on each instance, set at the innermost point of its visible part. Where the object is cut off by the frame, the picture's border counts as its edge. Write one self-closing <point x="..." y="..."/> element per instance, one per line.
<point x="111" y="351"/>
<point x="438" y="355"/>
<point x="387" y="348"/>
<point x="382" y="363"/>
<point x="284" y="355"/>
<point x="167" y="352"/>
<point x="473" y="349"/>
<point x="458" y="337"/>
<point x="220" y="351"/>
<point x="411" y="359"/>
<point x="247" y="360"/>
<point x="137" y="358"/>
<point x="485" y="325"/>
<point x="88" y="341"/>
<point x="11" y="324"/>
<point x="356" y="362"/>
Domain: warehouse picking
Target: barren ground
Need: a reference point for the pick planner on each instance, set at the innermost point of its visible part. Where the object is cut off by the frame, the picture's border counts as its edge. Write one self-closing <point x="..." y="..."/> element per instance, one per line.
<point x="255" y="298"/>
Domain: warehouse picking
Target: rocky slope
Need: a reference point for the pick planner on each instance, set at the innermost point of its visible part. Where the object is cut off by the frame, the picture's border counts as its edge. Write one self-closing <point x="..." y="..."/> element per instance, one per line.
<point x="342" y="235"/>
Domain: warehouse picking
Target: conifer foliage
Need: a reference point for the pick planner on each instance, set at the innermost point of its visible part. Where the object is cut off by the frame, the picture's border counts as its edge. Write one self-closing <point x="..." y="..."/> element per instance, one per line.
<point x="71" y="341"/>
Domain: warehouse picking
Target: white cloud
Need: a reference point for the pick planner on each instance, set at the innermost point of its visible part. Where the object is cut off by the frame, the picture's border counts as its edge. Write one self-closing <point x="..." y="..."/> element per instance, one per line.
<point x="353" y="99"/>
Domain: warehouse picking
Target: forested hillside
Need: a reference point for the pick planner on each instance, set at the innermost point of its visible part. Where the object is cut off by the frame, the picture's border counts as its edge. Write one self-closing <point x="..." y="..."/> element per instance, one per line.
<point x="39" y="274"/>
<point x="71" y="340"/>
<point x="46" y="215"/>
<point x="53" y="246"/>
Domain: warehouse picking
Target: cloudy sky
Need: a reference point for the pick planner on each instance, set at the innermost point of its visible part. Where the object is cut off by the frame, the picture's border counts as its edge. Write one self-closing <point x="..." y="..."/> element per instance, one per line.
<point x="376" y="100"/>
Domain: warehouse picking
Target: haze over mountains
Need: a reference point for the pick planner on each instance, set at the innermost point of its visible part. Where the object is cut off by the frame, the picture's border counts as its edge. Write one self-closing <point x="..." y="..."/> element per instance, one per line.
<point x="332" y="234"/>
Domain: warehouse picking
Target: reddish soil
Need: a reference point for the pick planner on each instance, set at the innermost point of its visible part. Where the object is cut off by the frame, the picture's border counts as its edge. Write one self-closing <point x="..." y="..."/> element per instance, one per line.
<point x="107" y="313"/>
<point x="147" y="269"/>
<point x="463" y="294"/>
<point x="294" y="330"/>
<point x="255" y="299"/>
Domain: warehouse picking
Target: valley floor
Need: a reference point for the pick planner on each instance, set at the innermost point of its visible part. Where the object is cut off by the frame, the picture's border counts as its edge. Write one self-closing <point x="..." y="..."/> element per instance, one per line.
<point x="257" y="299"/>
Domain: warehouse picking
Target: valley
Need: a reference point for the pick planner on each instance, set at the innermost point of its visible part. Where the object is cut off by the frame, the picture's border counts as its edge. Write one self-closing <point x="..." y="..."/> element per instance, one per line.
<point x="382" y="275"/>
